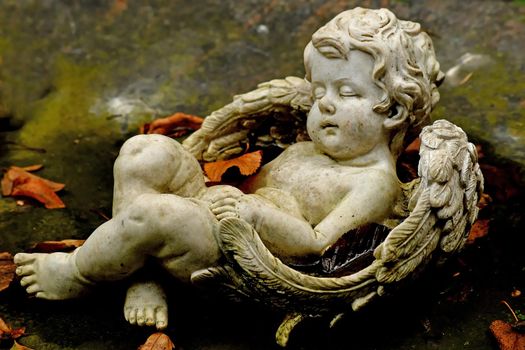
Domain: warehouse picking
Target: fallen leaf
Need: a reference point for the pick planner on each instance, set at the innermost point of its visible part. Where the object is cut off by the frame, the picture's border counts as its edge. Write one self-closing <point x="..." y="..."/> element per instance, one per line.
<point x="19" y="182"/>
<point x="158" y="341"/>
<point x="17" y="346"/>
<point x="414" y="146"/>
<point x="65" y="245"/>
<point x="507" y="337"/>
<point x="479" y="229"/>
<point x="7" y="270"/>
<point x="515" y="293"/>
<point x="247" y="163"/>
<point x="7" y="332"/>
<point x="176" y="125"/>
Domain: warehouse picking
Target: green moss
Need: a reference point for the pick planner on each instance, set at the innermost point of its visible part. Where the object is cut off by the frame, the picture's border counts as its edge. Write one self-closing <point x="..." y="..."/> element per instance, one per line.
<point x="488" y="106"/>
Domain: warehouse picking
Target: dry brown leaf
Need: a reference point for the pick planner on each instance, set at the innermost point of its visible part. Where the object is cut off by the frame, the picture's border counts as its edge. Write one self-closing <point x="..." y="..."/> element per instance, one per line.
<point x="7" y="270"/>
<point x="19" y="182"/>
<point x="7" y="332"/>
<point x="479" y="229"/>
<point x="176" y="125"/>
<point x="414" y="146"/>
<point x="247" y="163"/>
<point x="17" y="346"/>
<point x="158" y="341"/>
<point x="65" y="245"/>
<point x="507" y="337"/>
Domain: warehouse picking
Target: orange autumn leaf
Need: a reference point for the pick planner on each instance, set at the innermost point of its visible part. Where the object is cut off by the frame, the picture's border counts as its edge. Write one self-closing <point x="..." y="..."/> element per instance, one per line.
<point x="176" y="125"/>
<point x="247" y="163"/>
<point x="19" y="182"/>
<point x="7" y="332"/>
<point x="157" y="341"/>
<point x="65" y="245"/>
<point x="479" y="229"/>
<point x="7" y="270"/>
<point x="507" y="337"/>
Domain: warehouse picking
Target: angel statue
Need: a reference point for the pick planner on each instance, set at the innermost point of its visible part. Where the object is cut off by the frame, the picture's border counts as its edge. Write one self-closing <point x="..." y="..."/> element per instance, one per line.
<point x="325" y="226"/>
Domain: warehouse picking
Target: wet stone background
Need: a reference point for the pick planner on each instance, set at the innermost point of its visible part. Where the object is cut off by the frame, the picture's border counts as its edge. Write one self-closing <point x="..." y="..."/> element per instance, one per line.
<point x="78" y="77"/>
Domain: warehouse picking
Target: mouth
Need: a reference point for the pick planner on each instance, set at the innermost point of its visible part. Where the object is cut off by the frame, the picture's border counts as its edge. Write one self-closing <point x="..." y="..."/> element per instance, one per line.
<point x="329" y="127"/>
<point x="327" y="124"/>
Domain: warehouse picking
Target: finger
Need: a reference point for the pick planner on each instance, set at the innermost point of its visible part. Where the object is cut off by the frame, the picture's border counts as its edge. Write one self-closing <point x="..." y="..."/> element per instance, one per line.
<point x="226" y="215"/>
<point x="223" y="202"/>
<point x="221" y="210"/>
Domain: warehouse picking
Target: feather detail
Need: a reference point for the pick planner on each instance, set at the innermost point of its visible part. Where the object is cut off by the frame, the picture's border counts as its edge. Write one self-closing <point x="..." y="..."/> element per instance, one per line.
<point x="444" y="203"/>
<point x="224" y="131"/>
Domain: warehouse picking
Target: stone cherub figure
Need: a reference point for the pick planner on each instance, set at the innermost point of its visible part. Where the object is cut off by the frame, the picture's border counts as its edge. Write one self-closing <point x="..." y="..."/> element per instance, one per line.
<point x="371" y="83"/>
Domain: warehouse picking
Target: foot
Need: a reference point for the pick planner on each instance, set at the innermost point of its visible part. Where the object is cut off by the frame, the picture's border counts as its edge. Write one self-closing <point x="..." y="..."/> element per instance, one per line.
<point x="51" y="276"/>
<point x="146" y="305"/>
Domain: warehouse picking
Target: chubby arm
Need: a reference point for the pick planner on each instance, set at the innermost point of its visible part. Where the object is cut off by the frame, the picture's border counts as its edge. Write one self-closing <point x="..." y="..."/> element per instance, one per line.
<point x="285" y="234"/>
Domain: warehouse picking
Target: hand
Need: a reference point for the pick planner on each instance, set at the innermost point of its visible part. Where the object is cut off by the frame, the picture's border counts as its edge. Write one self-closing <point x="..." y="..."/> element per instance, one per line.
<point x="224" y="203"/>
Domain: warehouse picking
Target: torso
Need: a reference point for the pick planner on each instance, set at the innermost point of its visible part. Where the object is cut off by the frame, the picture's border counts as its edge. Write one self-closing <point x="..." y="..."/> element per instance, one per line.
<point x="316" y="182"/>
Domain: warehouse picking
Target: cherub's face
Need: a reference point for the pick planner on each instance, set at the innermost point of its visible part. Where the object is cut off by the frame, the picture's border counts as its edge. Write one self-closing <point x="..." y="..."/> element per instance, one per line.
<point x="341" y="122"/>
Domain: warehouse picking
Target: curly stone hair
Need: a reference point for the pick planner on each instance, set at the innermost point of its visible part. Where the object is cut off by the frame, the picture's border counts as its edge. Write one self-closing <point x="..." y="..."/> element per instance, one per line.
<point x="405" y="65"/>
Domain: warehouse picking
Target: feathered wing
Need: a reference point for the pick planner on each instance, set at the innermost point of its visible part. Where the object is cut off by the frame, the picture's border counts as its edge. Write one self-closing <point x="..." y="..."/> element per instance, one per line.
<point x="274" y="113"/>
<point x="442" y="208"/>
<point x="256" y="272"/>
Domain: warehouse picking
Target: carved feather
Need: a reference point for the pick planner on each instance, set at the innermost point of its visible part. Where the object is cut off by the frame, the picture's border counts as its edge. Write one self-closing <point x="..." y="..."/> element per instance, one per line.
<point x="445" y="203"/>
<point x="225" y="130"/>
<point x="266" y="275"/>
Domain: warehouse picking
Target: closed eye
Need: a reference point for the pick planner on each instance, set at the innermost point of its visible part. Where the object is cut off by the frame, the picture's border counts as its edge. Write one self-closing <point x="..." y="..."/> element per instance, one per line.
<point x="346" y="91"/>
<point x="318" y="92"/>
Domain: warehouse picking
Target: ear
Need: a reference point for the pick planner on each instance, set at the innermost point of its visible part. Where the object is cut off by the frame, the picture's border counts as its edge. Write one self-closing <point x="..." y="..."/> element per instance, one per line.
<point x="396" y="118"/>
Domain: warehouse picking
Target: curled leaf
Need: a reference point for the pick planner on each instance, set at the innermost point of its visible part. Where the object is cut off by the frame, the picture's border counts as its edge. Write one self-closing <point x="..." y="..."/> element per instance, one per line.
<point x="7" y="270"/>
<point x="65" y="245"/>
<point x="6" y="332"/>
<point x="158" y="341"/>
<point x="506" y="336"/>
<point x="176" y="125"/>
<point x="479" y="229"/>
<point x="247" y="163"/>
<point x="19" y="182"/>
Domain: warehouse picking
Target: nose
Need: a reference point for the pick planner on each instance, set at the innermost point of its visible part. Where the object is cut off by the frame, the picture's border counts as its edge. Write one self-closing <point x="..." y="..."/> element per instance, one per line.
<point x="326" y="106"/>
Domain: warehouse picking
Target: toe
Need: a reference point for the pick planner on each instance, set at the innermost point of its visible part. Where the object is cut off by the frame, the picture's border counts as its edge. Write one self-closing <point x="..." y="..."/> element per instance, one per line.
<point x="23" y="258"/>
<point x="140" y="317"/>
<point x="34" y="288"/>
<point x="28" y="280"/>
<point x="150" y="316"/>
<point x="133" y="316"/>
<point x="161" y="318"/>
<point x="25" y="270"/>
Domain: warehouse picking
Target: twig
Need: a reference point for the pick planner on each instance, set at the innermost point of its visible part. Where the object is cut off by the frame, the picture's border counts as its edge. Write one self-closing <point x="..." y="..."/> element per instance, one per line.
<point x="35" y="149"/>
<point x="511" y="311"/>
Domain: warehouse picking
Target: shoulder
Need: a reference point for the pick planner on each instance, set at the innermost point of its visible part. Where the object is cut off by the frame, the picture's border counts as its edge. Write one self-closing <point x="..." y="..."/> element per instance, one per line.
<point x="378" y="183"/>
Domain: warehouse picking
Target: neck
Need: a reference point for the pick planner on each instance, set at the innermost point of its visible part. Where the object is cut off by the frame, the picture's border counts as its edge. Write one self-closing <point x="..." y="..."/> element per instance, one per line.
<point x="379" y="157"/>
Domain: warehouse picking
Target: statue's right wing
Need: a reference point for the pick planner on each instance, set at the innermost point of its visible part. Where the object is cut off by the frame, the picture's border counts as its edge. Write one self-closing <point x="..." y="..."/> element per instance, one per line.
<point x="442" y="208"/>
<point x="274" y="113"/>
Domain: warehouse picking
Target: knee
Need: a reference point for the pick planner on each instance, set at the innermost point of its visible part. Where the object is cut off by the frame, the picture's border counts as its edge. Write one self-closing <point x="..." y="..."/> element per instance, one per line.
<point x="150" y="158"/>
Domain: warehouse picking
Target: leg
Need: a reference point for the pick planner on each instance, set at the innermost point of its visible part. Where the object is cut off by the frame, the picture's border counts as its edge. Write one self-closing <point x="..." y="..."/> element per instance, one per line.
<point x="154" y="164"/>
<point x="178" y="232"/>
